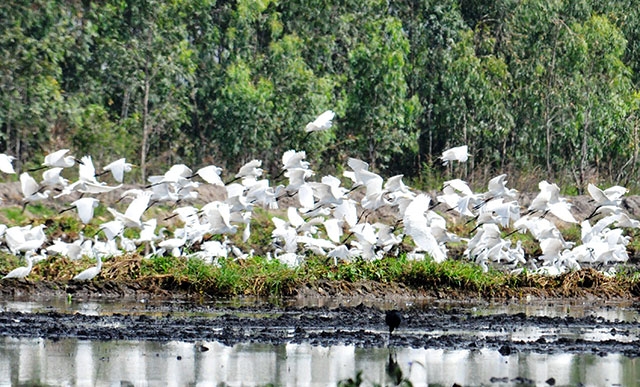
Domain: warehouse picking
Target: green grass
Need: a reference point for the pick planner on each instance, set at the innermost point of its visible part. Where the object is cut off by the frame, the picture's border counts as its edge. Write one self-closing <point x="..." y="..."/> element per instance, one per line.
<point x="14" y="215"/>
<point x="258" y="276"/>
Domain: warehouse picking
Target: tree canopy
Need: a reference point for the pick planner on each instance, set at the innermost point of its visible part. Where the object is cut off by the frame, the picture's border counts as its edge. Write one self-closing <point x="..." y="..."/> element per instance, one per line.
<point x="532" y="87"/>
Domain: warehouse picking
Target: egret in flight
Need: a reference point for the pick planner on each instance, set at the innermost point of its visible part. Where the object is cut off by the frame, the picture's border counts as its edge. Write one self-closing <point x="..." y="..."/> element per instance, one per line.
<point x="118" y="168"/>
<point x="323" y="122"/>
<point x="459" y="153"/>
<point x="6" y="165"/>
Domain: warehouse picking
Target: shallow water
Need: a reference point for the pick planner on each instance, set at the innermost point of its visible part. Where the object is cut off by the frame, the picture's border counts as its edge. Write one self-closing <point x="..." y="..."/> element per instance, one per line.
<point x="142" y="363"/>
<point x="73" y="361"/>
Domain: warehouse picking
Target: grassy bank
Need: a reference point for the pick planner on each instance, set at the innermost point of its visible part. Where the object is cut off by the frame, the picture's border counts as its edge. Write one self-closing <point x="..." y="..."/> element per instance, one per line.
<point x="257" y="276"/>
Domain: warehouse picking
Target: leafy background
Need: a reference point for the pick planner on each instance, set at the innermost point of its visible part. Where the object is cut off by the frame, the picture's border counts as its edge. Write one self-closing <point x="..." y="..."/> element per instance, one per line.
<point x="536" y="88"/>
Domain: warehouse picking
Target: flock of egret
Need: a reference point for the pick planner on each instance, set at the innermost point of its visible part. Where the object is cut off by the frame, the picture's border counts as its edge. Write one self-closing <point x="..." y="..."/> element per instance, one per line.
<point x="368" y="218"/>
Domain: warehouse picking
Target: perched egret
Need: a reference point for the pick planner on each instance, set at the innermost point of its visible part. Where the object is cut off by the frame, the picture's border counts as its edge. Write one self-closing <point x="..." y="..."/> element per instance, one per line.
<point x="23" y="271"/>
<point x="91" y="272"/>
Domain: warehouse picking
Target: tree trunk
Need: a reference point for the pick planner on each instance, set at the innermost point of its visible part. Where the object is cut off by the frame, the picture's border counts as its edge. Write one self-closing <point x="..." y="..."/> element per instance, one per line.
<point x="145" y="126"/>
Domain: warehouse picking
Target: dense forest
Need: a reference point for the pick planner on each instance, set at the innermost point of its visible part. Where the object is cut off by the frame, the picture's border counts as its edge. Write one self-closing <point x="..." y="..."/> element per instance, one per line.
<point x="544" y="88"/>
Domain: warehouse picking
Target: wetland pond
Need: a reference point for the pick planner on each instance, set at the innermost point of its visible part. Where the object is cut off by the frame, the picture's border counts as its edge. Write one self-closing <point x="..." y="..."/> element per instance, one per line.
<point x="319" y="342"/>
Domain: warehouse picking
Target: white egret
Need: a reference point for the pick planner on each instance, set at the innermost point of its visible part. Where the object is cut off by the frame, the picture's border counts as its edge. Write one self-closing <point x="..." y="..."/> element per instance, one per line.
<point x="500" y="212"/>
<point x="31" y="190"/>
<point x="294" y="159"/>
<point x="91" y="272"/>
<point x="540" y="228"/>
<point x="549" y="200"/>
<point x="288" y="259"/>
<point x="211" y="174"/>
<point x="148" y="233"/>
<point x="73" y="250"/>
<point x="333" y="228"/>
<point x="297" y="177"/>
<point x="607" y="200"/>
<point x="218" y="216"/>
<point x="112" y="229"/>
<point x="118" y="168"/>
<point x="251" y="169"/>
<point x="285" y="232"/>
<point x="87" y="187"/>
<point x="498" y="189"/>
<point x="305" y="197"/>
<point x="25" y="238"/>
<point x="323" y="122"/>
<point x="131" y="217"/>
<point x="347" y="211"/>
<point x="23" y="271"/>
<point x="457" y="195"/>
<point x="415" y="224"/>
<point x="52" y="177"/>
<point x="361" y="175"/>
<point x="6" y="165"/>
<point x="249" y="172"/>
<point x="366" y="241"/>
<point x="86" y="170"/>
<point x="175" y="244"/>
<point x="85" y="207"/>
<point x="57" y="159"/>
<point x="178" y="173"/>
<point x="340" y="252"/>
<point x="459" y="153"/>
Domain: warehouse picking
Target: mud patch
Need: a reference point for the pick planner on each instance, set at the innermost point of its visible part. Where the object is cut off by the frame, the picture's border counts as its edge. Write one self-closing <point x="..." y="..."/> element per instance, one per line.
<point x="361" y="326"/>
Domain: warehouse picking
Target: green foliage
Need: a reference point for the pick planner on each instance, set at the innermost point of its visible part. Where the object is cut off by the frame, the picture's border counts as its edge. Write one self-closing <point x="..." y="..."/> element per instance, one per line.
<point x="451" y="274"/>
<point x="524" y="84"/>
<point x="93" y="133"/>
<point x="379" y="116"/>
<point x="13" y="215"/>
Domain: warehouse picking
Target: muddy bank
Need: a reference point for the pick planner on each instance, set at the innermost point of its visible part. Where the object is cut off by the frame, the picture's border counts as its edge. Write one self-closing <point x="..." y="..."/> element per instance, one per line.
<point x="586" y="284"/>
<point x="361" y="326"/>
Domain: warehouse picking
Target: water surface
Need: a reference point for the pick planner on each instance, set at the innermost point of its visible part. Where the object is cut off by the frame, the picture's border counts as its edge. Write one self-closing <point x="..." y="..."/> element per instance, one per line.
<point x="143" y="363"/>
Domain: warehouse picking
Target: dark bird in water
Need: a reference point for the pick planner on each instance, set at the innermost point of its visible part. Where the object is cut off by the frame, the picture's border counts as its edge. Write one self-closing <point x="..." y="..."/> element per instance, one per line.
<point x="393" y="319"/>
